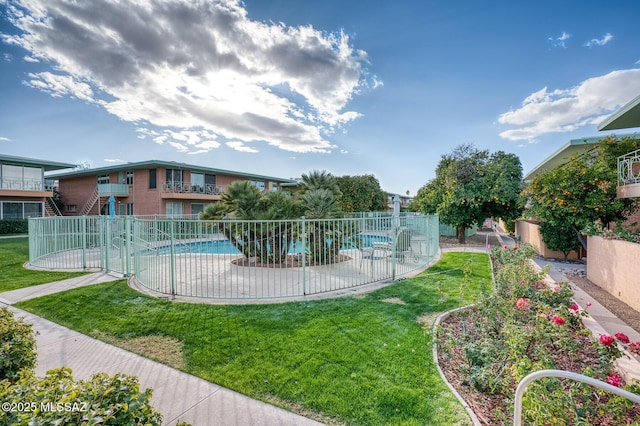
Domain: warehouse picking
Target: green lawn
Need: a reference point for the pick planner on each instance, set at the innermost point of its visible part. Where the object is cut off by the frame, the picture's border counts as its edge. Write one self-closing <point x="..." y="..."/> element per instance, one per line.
<point x="354" y="360"/>
<point x="14" y="252"/>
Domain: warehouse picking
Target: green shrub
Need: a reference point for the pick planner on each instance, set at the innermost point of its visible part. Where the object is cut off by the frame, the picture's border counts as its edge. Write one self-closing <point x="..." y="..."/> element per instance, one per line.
<point x="17" y="345"/>
<point x="14" y="226"/>
<point x="58" y="399"/>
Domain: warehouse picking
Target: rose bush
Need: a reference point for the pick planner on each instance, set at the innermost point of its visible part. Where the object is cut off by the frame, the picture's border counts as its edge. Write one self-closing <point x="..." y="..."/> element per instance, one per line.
<point x="525" y="326"/>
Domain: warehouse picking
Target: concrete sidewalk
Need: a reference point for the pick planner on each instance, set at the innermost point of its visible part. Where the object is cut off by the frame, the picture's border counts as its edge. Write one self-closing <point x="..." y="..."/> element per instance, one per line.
<point x="177" y="395"/>
<point x="600" y="321"/>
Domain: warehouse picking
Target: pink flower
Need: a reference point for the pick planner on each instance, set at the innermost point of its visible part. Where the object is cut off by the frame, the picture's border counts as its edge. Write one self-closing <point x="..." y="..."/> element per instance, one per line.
<point x="504" y="246"/>
<point x="614" y="380"/>
<point x="588" y="303"/>
<point x="622" y="337"/>
<point x="634" y="348"/>
<point x="574" y="307"/>
<point x="557" y="320"/>
<point x="521" y="303"/>
<point x="523" y="282"/>
<point x="556" y="289"/>
<point x="488" y="245"/>
<point x="607" y="340"/>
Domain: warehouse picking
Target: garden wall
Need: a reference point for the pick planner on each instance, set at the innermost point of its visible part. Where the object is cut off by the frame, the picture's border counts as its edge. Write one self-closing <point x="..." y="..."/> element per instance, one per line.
<point x="613" y="265"/>
<point x="529" y="232"/>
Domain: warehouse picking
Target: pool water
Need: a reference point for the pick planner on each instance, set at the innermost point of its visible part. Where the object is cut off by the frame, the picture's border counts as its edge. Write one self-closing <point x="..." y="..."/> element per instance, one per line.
<point x="225" y="246"/>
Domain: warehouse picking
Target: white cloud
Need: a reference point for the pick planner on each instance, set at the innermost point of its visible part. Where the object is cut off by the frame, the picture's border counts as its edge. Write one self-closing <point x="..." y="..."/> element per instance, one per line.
<point x="599" y="41"/>
<point x="565" y="110"/>
<point x="182" y="140"/>
<point x="560" y="40"/>
<point x="240" y="146"/>
<point x="3" y="139"/>
<point x="184" y="68"/>
<point x="113" y="160"/>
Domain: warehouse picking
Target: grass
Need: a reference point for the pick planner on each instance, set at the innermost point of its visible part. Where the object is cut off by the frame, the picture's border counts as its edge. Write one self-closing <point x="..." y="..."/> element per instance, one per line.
<point x="354" y="360"/>
<point x="14" y="252"/>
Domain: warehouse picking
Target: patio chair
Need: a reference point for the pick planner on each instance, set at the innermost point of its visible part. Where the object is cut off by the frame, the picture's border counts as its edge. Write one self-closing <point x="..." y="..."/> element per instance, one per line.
<point x="401" y="243"/>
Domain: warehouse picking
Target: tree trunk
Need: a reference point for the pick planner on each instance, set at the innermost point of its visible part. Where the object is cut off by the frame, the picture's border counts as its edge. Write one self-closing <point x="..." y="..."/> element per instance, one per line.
<point x="461" y="236"/>
<point x="581" y="238"/>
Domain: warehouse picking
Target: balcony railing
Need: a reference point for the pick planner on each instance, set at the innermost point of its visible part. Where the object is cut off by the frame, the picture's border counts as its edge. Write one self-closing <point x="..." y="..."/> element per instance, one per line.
<point x="187" y="188"/>
<point x="25" y="185"/>
<point x="117" y="189"/>
<point x="629" y="168"/>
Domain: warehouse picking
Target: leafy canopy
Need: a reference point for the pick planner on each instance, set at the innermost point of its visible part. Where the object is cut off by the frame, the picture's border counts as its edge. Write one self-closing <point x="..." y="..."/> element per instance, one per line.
<point x="471" y="185"/>
<point x="583" y="191"/>
<point x="361" y="194"/>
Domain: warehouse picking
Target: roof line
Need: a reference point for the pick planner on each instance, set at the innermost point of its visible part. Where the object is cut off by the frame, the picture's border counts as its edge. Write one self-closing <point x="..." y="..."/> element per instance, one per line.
<point x="167" y="164"/>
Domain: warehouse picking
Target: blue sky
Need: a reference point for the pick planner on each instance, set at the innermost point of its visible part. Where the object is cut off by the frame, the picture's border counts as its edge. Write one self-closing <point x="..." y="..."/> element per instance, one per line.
<point x="284" y="87"/>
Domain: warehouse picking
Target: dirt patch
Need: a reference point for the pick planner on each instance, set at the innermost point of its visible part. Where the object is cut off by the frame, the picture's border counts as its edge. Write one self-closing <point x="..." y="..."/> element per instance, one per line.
<point x="395" y="300"/>
<point x="477" y="240"/>
<point x="164" y="349"/>
<point x="427" y="319"/>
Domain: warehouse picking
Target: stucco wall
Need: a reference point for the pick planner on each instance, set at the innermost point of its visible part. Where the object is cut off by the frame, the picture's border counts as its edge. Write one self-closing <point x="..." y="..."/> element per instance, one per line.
<point x="529" y="232"/>
<point x="613" y="265"/>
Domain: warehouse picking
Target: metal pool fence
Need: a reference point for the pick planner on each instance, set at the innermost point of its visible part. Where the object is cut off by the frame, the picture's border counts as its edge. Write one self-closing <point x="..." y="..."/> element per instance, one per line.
<point x="232" y="259"/>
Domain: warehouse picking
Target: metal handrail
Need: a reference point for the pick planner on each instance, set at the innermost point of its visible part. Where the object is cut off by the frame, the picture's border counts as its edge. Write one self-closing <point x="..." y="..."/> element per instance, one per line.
<point x="629" y="168"/>
<point x="517" y="410"/>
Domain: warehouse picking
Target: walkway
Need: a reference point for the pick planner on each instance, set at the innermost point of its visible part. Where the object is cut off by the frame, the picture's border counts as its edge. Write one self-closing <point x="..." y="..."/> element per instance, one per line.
<point x="177" y="395"/>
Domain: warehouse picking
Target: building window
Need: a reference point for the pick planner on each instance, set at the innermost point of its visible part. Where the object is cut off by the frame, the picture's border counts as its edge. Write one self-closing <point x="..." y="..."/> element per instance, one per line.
<point x="173" y="176"/>
<point x="129" y="180"/>
<point x="20" y="210"/>
<point x="21" y="178"/>
<point x="125" y="209"/>
<point x="71" y="208"/>
<point x="274" y="186"/>
<point x="103" y="179"/>
<point x="152" y="178"/>
<point x="197" y="183"/>
<point x="174" y="209"/>
<point x="197" y="208"/>
<point x="258" y="184"/>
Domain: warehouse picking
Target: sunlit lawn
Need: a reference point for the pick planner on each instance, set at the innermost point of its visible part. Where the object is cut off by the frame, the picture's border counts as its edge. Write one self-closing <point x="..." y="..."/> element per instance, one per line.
<point x="354" y="360"/>
<point x="14" y="252"/>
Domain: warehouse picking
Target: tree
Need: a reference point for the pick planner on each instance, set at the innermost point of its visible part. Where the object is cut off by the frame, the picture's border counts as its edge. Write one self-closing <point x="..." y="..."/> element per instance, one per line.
<point x="361" y="194"/>
<point x="243" y="201"/>
<point x="319" y="197"/>
<point x="559" y="237"/>
<point x="583" y="191"/>
<point x="471" y="185"/>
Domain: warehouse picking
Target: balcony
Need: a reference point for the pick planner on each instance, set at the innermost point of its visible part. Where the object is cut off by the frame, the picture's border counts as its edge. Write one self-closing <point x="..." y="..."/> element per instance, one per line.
<point x="25" y="187"/>
<point x="189" y="191"/>
<point x="629" y="175"/>
<point x="115" y="189"/>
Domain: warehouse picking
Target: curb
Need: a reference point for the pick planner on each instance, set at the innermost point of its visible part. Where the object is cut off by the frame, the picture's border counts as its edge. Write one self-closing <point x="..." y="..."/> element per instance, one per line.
<point x="442" y="317"/>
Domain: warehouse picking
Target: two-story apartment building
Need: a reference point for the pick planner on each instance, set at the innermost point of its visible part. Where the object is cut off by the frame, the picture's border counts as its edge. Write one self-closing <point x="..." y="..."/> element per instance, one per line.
<point x="150" y="187"/>
<point x="23" y="190"/>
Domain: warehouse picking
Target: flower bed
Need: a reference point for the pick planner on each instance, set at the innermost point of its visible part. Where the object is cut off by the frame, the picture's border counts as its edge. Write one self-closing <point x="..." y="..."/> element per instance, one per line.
<point x="525" y="326"/>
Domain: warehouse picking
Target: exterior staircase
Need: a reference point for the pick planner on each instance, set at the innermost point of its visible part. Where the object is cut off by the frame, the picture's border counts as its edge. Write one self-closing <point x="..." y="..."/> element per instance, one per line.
<point x="91" y="202"/>
<point x="51" y="209"/>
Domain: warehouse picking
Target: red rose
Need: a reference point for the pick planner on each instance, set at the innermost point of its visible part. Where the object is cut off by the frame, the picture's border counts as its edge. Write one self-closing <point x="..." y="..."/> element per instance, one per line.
<point x="607" y="340"/>
<point x="557" y="320"/>
<point x="614" y="380"/>
<point x="622" y="337"/>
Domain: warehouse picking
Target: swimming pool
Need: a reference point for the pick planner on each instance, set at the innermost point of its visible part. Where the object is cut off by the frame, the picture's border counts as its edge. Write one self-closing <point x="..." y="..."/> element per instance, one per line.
<point x="226" y="247"/>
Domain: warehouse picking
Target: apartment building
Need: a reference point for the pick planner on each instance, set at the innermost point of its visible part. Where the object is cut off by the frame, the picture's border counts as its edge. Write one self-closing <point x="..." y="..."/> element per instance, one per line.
<point x="24" y="192"/>
<point x="150" y="187"/>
